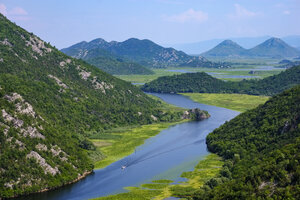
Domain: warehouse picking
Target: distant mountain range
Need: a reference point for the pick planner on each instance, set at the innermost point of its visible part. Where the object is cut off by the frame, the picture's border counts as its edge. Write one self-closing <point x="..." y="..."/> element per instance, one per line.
<point x="197" y="48"/>
<point x="143" y="52"/>
<point x="271" y="48"/>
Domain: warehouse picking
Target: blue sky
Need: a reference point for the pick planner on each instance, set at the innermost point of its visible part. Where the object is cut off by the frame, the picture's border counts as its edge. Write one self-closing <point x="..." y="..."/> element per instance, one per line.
<point x="65" y="22"/>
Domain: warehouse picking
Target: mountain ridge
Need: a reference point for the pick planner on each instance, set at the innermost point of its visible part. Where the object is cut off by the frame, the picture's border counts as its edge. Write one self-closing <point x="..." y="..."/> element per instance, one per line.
<point x="50" y="104"/>
<point x="145" y="52"/>
<point x="271" y="48"/>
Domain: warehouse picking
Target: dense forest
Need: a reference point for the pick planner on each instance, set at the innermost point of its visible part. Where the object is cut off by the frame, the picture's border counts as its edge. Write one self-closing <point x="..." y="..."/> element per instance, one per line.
<point x="203" y="83"/>
<point x="261" y="148"/>
<point x="49" y="104"/>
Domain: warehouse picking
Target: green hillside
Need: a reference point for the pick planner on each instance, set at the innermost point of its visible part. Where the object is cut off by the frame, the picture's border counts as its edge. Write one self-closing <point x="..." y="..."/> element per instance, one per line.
<point x="203" y="83"/>
<point x="261" y="148"/>
<point x="144" y="52"/>
<point x="50" y="103"/>
<point x="275" y="48"/>
<point x="227" y="48"/>
<point x="106" y="61"/>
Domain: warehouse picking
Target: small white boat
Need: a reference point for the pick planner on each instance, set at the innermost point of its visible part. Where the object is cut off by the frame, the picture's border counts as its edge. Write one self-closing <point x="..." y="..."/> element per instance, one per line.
<point x="123" y="167"/>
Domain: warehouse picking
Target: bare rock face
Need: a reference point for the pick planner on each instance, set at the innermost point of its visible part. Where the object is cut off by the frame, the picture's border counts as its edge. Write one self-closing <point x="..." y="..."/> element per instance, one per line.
<point x="8" y="118"/>
<point x="47" y="168"/>
<point x="38" y="46"/>
<point x="6" y="42"/>
<point x="41" y="147"/>
<point x="154" y="118"/>
<point x="58" y="81"/>
<point x="22" y="106"/>
<point x="32" y="132"/>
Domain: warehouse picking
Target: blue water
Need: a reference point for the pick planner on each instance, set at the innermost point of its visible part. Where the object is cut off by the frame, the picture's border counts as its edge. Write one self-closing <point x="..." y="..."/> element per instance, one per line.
<point x="176" y="149"/>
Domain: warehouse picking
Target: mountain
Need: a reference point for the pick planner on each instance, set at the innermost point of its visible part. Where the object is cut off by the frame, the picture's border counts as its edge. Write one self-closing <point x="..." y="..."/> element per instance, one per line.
<point x="104" y="59"/>
<point x="204" y="83"/>
<point x="196" y="48"/>
<point x="227" y="48"/>
<point x="261" y="149"/>
<point x="144" y="52"/>
<point x="271" y="48"/>
<point x="275" y="48"/>
<point x="50" y="104"/>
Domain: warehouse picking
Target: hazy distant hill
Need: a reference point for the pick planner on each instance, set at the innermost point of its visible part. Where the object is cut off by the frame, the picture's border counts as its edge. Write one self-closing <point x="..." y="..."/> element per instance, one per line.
<point x="144" y="52"/>
<point x="196" y="48"/>
<point x="271" y="48"/>
<point x="227" y="48"/>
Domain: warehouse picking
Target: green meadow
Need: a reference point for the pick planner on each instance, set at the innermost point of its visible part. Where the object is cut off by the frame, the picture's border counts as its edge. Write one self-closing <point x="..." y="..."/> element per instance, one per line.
<point x="238" y="102"/>
<point x="220" y="72"/>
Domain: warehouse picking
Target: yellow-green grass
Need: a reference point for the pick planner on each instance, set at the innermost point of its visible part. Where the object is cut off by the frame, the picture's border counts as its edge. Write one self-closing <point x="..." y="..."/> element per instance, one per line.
<point x="147" y="78"/>
<point x="206" y="169"/>
<point x="125" y="142"/>
<point x="165" y="72"/>
<point x="238" y="102"/>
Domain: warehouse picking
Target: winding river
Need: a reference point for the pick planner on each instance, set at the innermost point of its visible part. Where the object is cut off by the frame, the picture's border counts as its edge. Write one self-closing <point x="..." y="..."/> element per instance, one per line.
<point x="165" y="156"/>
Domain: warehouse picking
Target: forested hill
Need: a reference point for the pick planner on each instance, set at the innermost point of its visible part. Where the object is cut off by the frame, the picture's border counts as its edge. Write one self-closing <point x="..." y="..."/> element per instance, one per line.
<point x="261" y="148"/>
<point x="106" y="61"/>
<point x="204" y="83"/>
<point x="144" y="52"/>
<point x="49" y="104"/>
<point x="113" y="64"/>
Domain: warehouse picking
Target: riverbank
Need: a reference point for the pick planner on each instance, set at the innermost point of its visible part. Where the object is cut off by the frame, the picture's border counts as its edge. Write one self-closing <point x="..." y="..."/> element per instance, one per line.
<point x="206" y="169"/>
<point x="238" y="102"/>
<point x="125" y="141"/>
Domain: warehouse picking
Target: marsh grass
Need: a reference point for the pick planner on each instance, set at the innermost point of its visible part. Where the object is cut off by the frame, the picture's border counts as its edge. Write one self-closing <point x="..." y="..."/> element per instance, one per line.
<point x="122" y="143"/>
<point x="238" y="102"/>
<point x="206" y="169"/>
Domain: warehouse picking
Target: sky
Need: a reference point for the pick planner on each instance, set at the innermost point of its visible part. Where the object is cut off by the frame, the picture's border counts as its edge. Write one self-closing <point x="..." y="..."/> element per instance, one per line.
<point x="66" y="22"/>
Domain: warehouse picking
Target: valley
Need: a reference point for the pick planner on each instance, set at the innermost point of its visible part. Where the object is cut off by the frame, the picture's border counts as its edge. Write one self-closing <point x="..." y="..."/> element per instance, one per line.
<point x="102" y="110"/>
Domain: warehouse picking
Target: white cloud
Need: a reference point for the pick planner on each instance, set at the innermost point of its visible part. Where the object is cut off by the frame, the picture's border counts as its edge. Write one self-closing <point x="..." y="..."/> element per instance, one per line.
<point x="241" y="12"/>
<point x="286" y="12"/>
<point x="18" y="11"/>
<point x="3" y="9"/>
<point x="190" y="15"/>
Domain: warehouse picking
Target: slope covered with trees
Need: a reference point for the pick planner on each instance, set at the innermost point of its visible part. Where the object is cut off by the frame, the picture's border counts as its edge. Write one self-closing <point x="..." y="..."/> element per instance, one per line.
<point x="113" y="64"/>
<point x="144" y="52"/>
<point x="49" y="104"/>
<point x="204" y="83"/>
<point x="261" y="148"/>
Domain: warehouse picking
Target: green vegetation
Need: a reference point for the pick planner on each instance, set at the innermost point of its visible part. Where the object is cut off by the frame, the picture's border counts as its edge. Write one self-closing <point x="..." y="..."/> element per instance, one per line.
<point x="203" y="83"/>
<point x="206" y="169"/>
<point x="261" y="148"/>
<point x="144" y="52"/>
<point x="122" y="142"/>
<point x="50" y="104"/>
<point x="112" y="64"/>
<point x="219" y="72"/>
<point x="238" y="102"/>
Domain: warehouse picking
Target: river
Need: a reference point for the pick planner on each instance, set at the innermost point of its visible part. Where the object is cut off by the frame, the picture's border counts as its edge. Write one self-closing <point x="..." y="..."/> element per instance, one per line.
<point x="165" y="156"/>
